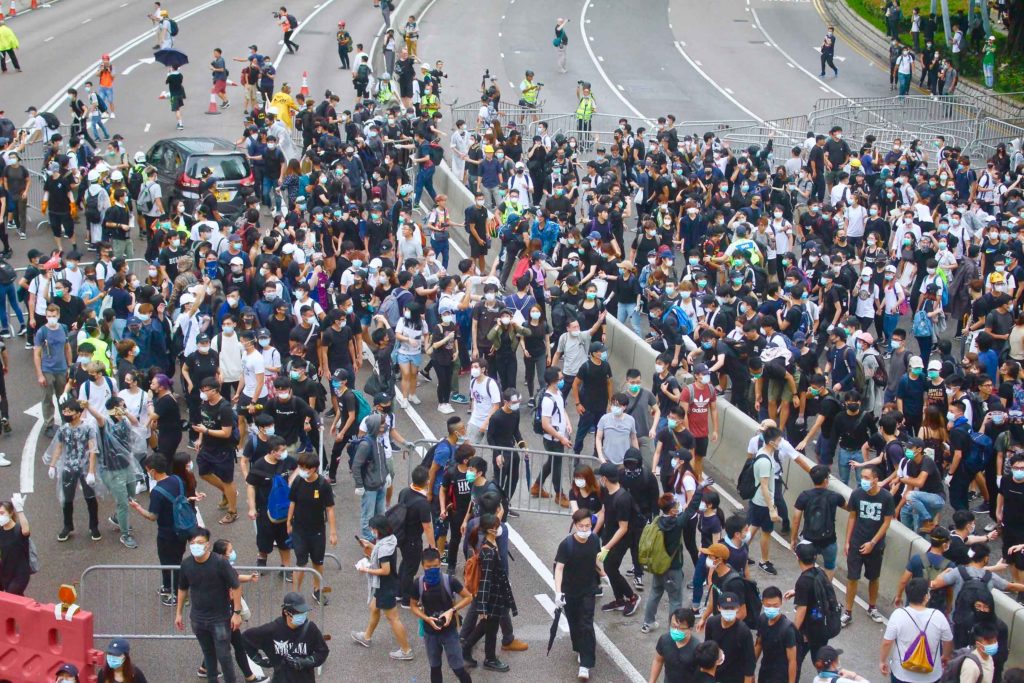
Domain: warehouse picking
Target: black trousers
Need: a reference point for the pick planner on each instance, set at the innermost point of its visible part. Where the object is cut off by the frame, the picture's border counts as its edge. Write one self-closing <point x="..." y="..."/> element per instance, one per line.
<point x="579" y="612"/>
<point x="343" y="57"/>
<point x="444" y="382"/>
<point x="553" y="466"/>
<point x="611" y="567"/>
<point x="488" y="630"/>
<point x="506" y="368"/>
<point x="292" y="47"/>
<point x="169" y="552"/>
<point x="412" y="553"/>
<point x="508" y="475"/>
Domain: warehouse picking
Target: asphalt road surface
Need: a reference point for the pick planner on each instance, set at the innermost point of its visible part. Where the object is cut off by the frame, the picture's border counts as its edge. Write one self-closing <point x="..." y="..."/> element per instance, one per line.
<point x="700" y="60"/>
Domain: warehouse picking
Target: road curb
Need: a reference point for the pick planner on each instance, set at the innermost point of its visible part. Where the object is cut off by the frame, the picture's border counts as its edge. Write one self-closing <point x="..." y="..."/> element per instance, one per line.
<point x="873" y="41"/>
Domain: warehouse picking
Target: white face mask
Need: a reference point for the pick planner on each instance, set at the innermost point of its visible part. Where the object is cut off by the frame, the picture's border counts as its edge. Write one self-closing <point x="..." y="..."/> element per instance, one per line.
<point x="4" y="519"/>
<point x="710" y="561"/>
<point x="52" y="320"/>
<point x="584" y="534"/>
<point x="580" y="483"/>
<point x="203" y="395"/>
<point x="474" y="372"/>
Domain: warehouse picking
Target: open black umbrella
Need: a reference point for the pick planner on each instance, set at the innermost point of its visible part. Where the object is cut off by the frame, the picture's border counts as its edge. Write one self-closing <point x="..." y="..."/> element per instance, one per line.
<point x="171" y="57"/>
<point x="554" y="628"/>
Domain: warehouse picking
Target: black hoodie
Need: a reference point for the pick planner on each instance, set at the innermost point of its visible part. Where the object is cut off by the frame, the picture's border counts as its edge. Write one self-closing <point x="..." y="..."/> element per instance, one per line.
<point x="281" y="645"/>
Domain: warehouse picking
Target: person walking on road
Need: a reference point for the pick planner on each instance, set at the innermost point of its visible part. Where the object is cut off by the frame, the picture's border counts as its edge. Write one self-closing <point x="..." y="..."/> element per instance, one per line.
<point x="291" y="645"/>
<point x="169" y="545"/>
<point x="871" y="512"/>
<point x="15" y="570"/>
<point x="828" y="52"/>
<point x="620" y="524"/>
<point x="382" y="575"/>
<point x="176" y="93"/>
<point x="437" y="602"/>
<point x="8" y="44"/>
<point x="904" y="71"/>
<point x="211" y="584"/>
<point x="905" y="626"/>
<point x="52" y="357"/>
<point x="74" y="461"/>
<point x="560" y="42"/>
<point x="576" y="559"/>
<point x="288" y="25"/>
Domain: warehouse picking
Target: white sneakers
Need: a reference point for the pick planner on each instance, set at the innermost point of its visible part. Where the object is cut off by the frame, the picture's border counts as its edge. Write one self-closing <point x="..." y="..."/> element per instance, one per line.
<point x="445" y="409"/>
<point x="415" y="400"/>
<point x="584" y="674"/>
<point x="4" y="462"/>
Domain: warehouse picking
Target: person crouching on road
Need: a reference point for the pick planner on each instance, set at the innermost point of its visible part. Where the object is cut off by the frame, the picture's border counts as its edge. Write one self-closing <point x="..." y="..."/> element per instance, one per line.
<point x="437" y="603"/>
<point x="578" y="554"/>
<point x="290" y="644"/>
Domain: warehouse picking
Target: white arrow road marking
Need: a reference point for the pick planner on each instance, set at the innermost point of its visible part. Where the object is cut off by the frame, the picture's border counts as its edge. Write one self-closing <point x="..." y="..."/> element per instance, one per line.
<point x="28" y="452"/>
<point x="549" y="607"/>
<point x="133" y="67"/>
<point x="818" y="50"/>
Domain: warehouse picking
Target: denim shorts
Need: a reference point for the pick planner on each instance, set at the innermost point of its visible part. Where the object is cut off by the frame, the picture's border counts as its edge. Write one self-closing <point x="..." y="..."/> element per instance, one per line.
<point x="414" y="359"/>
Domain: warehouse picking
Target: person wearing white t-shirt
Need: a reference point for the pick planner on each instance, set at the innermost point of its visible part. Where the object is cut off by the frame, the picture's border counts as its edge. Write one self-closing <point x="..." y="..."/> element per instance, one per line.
<point x="557" y="430"/>
<point x="905" y="625"/>
<point x="230" y="353"/>
<point x="484" y="397"/>
<point x="253" y="387"/>
<point x="189" y="321"/>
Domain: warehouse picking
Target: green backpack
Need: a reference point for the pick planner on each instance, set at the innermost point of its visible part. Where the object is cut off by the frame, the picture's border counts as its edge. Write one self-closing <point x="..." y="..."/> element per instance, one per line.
<point x="652" y="555"/>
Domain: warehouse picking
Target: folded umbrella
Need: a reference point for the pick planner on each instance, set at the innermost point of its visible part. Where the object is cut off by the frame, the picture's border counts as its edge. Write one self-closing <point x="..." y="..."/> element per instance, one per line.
<point x="171" y="57"/>
<point x="554" y="628"/>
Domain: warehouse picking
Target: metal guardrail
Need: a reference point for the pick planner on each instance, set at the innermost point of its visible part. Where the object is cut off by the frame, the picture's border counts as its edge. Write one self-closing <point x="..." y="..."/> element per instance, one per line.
<point x="125" y="599"/>
<point x="531" y="465"/>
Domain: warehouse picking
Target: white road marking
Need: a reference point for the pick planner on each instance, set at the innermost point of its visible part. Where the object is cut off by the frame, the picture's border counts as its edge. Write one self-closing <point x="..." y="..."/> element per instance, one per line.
<point x="729" y="90"/>
<point x="600" y="58"/>
<point x="817" y="48"/>
<point x="502" y="55"/>
<point x="48" y="39"/>
<point x="620" y="87"/>
<point x="600" y="69"/>
<point x="549" y="607"/>
<point x="725" y="91"/>
<point x="698" y="62"/>
<point x="146" y="129"/>
<point x="790" y="65"/>
<point x="86" y="21"/>
<point x="28" y="451"/>
<point x="123" y="4"/>
<point x="824" y="86"/>
<point x="133" y="67"/>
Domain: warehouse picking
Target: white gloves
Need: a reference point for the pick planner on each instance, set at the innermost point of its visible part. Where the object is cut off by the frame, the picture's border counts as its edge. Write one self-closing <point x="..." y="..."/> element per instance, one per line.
<point x="18" y="501"/>
<point x="999" y="481"/>
<point x="387" y="482"/>
<point x="52" y="472"/>
<point x="90" y="479"/>
<point x="360" y="492"/>
<point x="947" y="479"/>
<point x="559" y="599"/>
<point x="657" y="471"/>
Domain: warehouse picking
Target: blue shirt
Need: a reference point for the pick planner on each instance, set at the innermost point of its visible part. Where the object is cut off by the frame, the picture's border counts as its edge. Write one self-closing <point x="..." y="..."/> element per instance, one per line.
<point x="443" y="454"/>
<point x="490" y="170"/>
<point x="911" y="392"/>
<point x="52" y="344"/>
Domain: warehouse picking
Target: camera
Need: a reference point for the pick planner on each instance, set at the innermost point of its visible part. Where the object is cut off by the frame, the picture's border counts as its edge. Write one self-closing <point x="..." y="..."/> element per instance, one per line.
<point x="277" y="15"/>
<point x="540" y="85"/>
<point x="487" y="74"/>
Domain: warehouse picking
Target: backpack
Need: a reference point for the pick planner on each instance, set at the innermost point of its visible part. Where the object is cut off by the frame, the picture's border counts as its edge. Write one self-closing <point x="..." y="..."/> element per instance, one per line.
<point x="92" y="207"/>
<point x="685" y="324"/>
<point x="922" y="326"/>
<point x="978" y="457"/>
<point x="7" y="273"/>
<point x="828" y="611"/>
<point x="363" y="73"/>
<point x="396" y="515"/>
<point x="110" y="385"/>
<point x="173" y="28"/>
<point x="52" y="122"/>
<point x="652" y="555"/>
<point x="354" y="444"/>
<point x="363" y="407"/>
<point x="389" y="308"/>
<point x="278" y="501"/>
<point x="819" y="520"/>
<point x="937" y="599"/>
<point x="745" y="483"/>
<point x="183" y="514"/>
<point x="859" y="381"/>
<point x="749" y="594"/>
<point x="1017" y="403"/>
<point x="436" y="153"/>
<point x="794" y="352"/>
<point x="101" y="105"/>
<point x="471" y="573"/>
<point x="428" y="458"/>
<point x="293" y="23"/>
<point x="538" y="423"/>
<point x="951" y="672"/>
<point x="972" y="590"/>
<point x="806" y="324"/>
<point x="919" y="657"/>
<point x="33" y="557"/>
<point x="881" y="375"/>
<point x="562" y="313"/>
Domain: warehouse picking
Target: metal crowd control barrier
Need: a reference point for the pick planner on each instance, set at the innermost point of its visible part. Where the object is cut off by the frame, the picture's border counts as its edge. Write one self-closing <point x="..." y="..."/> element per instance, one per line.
<point x="532" y="464"/>
<point x="125" y="599"/>
<point x="507" y="112"/>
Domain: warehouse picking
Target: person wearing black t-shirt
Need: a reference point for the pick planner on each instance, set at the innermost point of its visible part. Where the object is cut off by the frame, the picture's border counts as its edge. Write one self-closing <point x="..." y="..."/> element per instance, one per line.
<point x="809" y="615"/>
<point x="776" y="641"/>
<point x="215" y="460"/>
<point x="871" y="512"/>
<point x="620" y="521"/>
<point x="294" y="420"/>
<point x="166" y="417"/>
<point x="418" y="527"/>
<point x="576" y="558"/>
<point x="1009" y="511"/>
<point x="851" y="429"/>
<point x="504" y="435"/>
<point x="256" y="448"/>
<point x="829" y="407"/>
<point x="735" y="639"/>
<point x="337" y="344"/>
<point x="437" y="601"/>
<point x="675" y="652"/>
<point x="592" y="391"/>
<point x="202" y="363"/>
<point x="311" y="521"/>
<point x="344" y="427"/>
<point x="820" y="537"/>
<point x="924" y="495"/>
<point x="270" y="529"/>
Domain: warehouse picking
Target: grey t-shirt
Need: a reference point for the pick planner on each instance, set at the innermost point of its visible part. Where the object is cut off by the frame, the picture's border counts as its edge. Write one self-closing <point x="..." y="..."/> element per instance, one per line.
<point x="951" y="577"/>
<point x="640" y="408"/>
<point x="764" y="468"/>
<point x="574" y="351"/>
<point x="616" y="437"/>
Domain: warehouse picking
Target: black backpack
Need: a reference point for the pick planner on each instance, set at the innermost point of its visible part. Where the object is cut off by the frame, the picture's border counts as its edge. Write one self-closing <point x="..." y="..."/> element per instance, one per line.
<point x="92" y="208"/>
<point x="951" y="672"/>
<point x="7" y="272"/>
<point x="746" y="484"/>
<point x="436" y="153"/>
<point x="972" y="591"/>
<point x="293" y="23"/>
<point x="747" y="591"/>
<point x="173" y="27"/>
<point x="827" y="613"/>
<point x="819" y="518"/>
<point x="428" y="459"/>
<point x="538" y="423"/>
<point x="52" y="122"/>
<point x="396" y="515"/>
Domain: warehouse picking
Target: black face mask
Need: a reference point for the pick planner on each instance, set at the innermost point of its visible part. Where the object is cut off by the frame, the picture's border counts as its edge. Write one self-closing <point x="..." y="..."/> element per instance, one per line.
<point x="853" y="407"/>
<point x="633" y="472"/>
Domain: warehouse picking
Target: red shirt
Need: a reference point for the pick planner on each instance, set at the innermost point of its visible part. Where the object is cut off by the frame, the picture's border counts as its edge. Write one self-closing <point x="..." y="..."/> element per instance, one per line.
<point x="699" y="401"/>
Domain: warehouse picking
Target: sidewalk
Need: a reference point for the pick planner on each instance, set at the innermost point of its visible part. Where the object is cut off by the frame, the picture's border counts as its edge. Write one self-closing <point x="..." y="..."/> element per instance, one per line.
<point x="857" y="30"/>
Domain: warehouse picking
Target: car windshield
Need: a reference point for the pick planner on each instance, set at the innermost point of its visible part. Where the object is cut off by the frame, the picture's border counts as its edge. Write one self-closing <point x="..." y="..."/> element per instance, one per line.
<point x="224" y="166"/>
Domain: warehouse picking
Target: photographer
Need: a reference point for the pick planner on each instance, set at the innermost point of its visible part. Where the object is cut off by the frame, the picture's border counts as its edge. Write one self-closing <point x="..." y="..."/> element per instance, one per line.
<point x="585" y="111"/>
<point x="437" y="602"/>
<point x="530" y="90"/>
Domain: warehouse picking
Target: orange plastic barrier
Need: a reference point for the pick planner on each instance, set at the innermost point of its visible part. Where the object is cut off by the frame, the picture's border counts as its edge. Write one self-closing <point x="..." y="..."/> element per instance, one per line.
<point x="36" y="639"/>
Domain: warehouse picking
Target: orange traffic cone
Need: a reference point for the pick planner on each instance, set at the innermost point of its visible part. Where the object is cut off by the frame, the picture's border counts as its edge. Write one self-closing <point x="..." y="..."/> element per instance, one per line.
<point x="212" y="109"/>
<point x="163" y="95"/>
<point x="304" y="90"/>
<point x="35" y="4"/>
<point x="13" y="11"/>
<point x="231" y="82"/>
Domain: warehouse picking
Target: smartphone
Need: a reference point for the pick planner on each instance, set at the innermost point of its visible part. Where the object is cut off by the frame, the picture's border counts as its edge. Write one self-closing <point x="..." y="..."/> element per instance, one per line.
<point x="359" y="539"/>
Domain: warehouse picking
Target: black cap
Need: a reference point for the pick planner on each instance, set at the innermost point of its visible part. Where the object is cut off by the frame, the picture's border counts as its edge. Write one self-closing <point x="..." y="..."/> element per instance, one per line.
<point x="596" y="347"/>
<point x="827" y="655"/>
<point x="381" y="399"/>
<point x="295" y="603"/>
<point x="632" y="455"/>
<point x="341" y="375"/>
<point x="609" y="470"/>
<point x="203" y="338"/>
<point x="728" y="601"/>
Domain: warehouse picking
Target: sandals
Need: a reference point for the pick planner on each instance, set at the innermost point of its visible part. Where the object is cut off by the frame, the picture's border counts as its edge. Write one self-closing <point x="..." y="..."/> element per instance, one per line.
<point x="229" y="518"/>
<point x="223" y="505"/>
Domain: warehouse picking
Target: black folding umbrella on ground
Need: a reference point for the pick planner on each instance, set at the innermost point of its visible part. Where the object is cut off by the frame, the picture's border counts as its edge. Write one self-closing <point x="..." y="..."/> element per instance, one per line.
<point x="171" y="57"/>
<point x="554" y="628"/>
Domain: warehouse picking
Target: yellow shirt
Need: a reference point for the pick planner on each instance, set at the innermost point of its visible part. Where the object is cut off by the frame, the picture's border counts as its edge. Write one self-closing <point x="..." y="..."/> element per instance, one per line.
<point x="99" y="353"/>
<point x="283" y="104"/>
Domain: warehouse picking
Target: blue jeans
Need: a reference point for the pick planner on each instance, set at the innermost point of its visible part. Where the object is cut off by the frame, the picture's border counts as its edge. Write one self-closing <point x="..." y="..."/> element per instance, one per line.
<point x="440" y="248"/>
<point x="904" y="84"/>
<point x="990" y="75"/>
<point x="629" y="312"/>
<point x="700" y="575"/>
<point x="921" y="506"/>
<point x="7" y="293"/>
<point x="588" y="422"/>
<point x="889" y="323"/>
<point x="826" y="449"/>
<point x="372" y="503"/>
<point x="270" y="197"/>
<point x="845" y="457"/>
<point x="424" y="181"/>
<point x="96" y="121"/>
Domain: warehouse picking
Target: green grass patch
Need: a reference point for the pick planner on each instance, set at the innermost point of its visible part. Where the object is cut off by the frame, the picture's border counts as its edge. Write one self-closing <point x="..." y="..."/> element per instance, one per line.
<point x="1009" y="67"/>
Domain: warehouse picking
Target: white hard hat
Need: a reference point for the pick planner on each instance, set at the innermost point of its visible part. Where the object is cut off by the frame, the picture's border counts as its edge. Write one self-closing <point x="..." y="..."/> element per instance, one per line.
<point x="140" y="157"/>
<point x="116" y="176"/>
<point x="94" y="175"/>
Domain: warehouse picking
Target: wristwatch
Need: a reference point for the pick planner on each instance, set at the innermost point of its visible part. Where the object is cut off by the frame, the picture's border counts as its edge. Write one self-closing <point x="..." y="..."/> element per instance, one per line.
<point x="236" y="611"/>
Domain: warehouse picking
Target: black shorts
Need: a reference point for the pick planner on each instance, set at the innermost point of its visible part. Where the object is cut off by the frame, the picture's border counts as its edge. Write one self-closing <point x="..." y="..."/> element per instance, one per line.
<point x="218" y="463"/>
<point x="870" y="563"/>
<point x="476" y="249"/>
<point x="62" y="224"/>
<point x="700" y="446"/>
<point x="309" y="547"/>
<point x="761" y="517"/>
<point x="243" y="403"/>
<point x="269" y="534"/>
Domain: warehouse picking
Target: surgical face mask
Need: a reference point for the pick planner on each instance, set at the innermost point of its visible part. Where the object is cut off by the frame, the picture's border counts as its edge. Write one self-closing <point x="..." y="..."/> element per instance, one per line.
<point x="115" y="661"/>
<point x="702" y="283"/>
<point x="908" y="453"/>
<point x="293" y="375"/>
<point x="728" y="615"/>
<point x="58" y="292"/>
<point x="583" y="534"/>
<point x="52" y="320"/>
<point x="229" y="330"/>
<point x="300" y="618"/>
<point x="505" y="320"/>
<point x="197" y="549"/>
<point x="284" y="395"/>
<point x="772" y="612"/>
<point x="489" y="296"/>
<point x="6" y="518"/>
<point x="269" y="431"/>
<point x="470" y="476"/>
<point x="233" y="557"/>
<point x="933" y="374"/>
<point x="677" y="635"/>
<point x="991" y="649"/>
<point x="264" y="343"/>
<point x="1018" y="475"/>
<point x="306" y="474"/>
<point x="866" y="484"/>
<point x="617" y="410"/>
<point x="447" y="318"/>
<point x="672" y="423"/>
<point x="203" y="396"/>
<point x="474" y="372"/>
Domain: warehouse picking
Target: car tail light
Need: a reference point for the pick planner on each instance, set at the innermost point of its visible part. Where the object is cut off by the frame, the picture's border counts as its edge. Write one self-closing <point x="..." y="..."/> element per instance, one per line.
<point x="185" y="181"/>
<point x="248" y="181"/>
